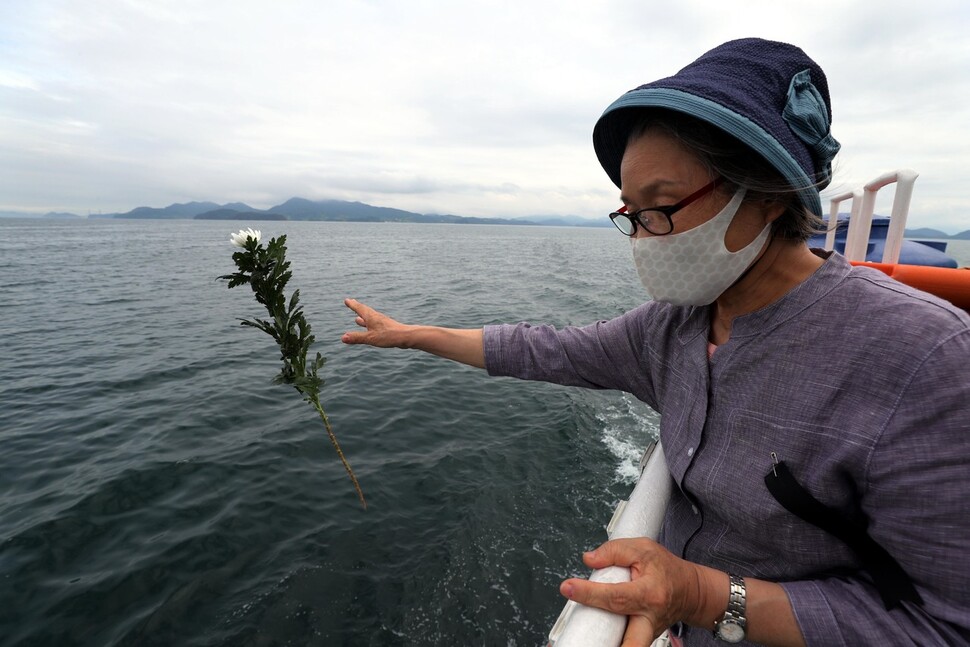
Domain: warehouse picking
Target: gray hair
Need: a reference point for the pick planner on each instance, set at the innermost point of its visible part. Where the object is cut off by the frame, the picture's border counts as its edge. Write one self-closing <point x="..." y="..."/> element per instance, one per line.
<point x="725" y="156"/>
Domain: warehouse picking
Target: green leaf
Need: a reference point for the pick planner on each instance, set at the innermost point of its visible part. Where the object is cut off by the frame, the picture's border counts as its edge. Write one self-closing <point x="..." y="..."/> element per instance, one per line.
<point x="265" y="326"/>
<point x="318" y="363"/>
<point x="294" y="303"/>
<point x="267" y="272"/>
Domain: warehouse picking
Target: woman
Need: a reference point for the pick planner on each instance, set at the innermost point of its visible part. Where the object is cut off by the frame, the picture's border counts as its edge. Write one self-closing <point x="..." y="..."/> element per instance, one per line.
<point x="765" y="359"/>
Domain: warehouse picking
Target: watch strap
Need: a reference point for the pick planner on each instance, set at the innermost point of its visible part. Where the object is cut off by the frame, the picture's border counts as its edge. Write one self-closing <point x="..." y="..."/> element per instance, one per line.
<point x="737" y="603"/>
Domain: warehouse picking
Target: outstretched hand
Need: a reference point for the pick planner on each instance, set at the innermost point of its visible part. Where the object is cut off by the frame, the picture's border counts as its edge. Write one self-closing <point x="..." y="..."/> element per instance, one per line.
<point x="461" y="345"/>
<point x="663" y="590"/>
<point x="381" y="330"/>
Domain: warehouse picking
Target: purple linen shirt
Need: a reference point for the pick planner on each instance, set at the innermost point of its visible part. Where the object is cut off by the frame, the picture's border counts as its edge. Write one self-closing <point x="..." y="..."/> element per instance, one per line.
<point x="859" y="383"/>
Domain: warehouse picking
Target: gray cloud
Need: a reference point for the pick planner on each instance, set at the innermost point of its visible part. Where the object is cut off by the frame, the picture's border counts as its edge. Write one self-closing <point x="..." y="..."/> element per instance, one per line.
<point x="478" y="108"/>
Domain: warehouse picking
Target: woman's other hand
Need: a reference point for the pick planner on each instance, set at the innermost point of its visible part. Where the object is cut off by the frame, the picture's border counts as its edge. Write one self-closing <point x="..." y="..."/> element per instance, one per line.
<point x="663" y="590"/>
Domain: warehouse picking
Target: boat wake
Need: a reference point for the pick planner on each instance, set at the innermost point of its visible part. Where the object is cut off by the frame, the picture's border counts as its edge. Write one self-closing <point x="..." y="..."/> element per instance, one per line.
<point x="628" y="427"/>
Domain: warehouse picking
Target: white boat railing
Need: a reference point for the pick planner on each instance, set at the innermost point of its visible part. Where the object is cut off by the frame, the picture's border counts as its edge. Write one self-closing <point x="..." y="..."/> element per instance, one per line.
<point x="834" y="215"/>
<point x="857" y="238"/>
<point x="640" y="516"/>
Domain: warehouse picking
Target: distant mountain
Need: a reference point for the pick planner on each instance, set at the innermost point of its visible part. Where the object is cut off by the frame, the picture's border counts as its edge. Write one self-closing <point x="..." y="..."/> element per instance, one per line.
<point x="60" y="215"/>
<point x="320" y="210"/>
<point x="172" y="211"/>
<point x="303" y="209"/>
<point x="28" y="214"/>
<point x="239" y="206"/>
<point x="926" y="232"/>
<point x="571" y="221"/>
<point x="343" y="211"/>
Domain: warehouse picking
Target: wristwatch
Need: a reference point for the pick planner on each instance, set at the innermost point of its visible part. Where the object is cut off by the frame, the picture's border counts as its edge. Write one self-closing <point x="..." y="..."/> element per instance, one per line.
<point x="731" y="627"/>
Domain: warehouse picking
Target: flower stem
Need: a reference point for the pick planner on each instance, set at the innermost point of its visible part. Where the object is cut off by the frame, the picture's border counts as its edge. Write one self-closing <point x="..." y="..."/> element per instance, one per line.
<point x="333" y="439"/>
<point x="266" y="271"/>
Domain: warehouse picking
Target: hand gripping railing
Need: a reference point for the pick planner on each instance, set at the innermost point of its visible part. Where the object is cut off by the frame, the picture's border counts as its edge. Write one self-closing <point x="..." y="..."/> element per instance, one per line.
<point x="640" y="516"/>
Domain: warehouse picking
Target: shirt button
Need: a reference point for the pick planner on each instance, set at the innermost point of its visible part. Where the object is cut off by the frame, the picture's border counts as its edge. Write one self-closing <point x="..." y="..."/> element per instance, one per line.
<point x="694" y="508"/>
<point x="690" y="452"/>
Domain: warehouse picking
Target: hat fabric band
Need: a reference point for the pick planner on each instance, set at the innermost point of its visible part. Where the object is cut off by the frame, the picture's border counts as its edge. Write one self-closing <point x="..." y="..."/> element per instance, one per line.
<point x="731" y="122"/>
<point x="770" y="96"/>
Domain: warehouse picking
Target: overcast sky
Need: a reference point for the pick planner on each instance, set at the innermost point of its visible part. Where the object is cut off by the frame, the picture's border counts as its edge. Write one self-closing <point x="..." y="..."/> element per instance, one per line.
<point x="468" y="107"/>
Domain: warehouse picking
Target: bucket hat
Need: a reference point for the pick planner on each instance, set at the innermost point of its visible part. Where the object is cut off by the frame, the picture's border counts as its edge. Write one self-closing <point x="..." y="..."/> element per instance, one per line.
<point x="769" y="95"/>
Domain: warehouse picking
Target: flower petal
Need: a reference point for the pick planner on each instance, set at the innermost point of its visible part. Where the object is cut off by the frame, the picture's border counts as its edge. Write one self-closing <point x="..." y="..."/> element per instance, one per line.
<point x="240" y="238"/>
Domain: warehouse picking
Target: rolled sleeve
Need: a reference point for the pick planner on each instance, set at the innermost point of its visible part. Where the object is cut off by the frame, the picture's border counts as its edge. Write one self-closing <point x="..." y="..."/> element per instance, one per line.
<point x="814" y="614"/>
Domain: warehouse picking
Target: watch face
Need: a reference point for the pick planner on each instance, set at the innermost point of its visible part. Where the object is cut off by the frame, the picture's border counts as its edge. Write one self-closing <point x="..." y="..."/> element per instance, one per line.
<point x="730" y="631"/>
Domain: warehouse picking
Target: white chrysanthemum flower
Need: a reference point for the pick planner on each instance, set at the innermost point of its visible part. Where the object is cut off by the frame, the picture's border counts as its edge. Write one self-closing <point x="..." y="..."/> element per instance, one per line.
<point x="239" y="239"/>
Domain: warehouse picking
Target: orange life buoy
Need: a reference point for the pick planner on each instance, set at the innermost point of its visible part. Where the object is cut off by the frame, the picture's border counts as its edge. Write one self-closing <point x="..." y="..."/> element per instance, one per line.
<point x="952" y="284"/>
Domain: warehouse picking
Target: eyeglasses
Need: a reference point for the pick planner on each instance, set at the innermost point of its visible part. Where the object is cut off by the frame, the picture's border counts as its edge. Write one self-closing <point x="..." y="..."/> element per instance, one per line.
<point x="657" y="220"/>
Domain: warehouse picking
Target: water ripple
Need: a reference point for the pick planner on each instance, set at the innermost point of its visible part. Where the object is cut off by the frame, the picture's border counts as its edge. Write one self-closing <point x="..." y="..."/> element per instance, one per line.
<point x="157" y="488"/>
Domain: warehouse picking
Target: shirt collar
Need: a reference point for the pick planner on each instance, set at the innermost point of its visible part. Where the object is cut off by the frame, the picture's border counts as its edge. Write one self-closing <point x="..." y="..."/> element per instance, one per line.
<point x="805" y="294"/>
<point x="802" y="296"/>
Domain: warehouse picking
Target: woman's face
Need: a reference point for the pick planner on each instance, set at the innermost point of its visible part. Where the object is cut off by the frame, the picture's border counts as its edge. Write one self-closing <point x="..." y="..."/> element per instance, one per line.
<point x="657" y="170"/>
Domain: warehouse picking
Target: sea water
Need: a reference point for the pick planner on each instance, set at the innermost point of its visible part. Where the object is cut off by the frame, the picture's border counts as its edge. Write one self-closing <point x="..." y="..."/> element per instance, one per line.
<point x="157" y="489"/>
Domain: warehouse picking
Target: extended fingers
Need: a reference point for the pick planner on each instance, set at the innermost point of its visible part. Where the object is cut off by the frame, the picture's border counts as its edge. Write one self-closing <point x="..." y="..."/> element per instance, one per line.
<point x="639" y="632"/>
<point x="620" y="552"/>
<point x="366" y="316"/>
<point x="359" y="308"/>
<point x="359" y="337"/>
<point x="623" y="599"/>
<point x="619" y="598"/>
<point x="354" y="338"/>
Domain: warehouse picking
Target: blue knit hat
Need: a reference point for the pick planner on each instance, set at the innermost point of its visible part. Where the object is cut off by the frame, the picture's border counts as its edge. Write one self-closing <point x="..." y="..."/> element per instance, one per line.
<point x="771" y="96"/>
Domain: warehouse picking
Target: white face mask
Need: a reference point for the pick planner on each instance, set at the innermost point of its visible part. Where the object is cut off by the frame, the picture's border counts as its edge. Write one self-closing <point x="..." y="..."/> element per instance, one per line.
<point x="694" y="267"/>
